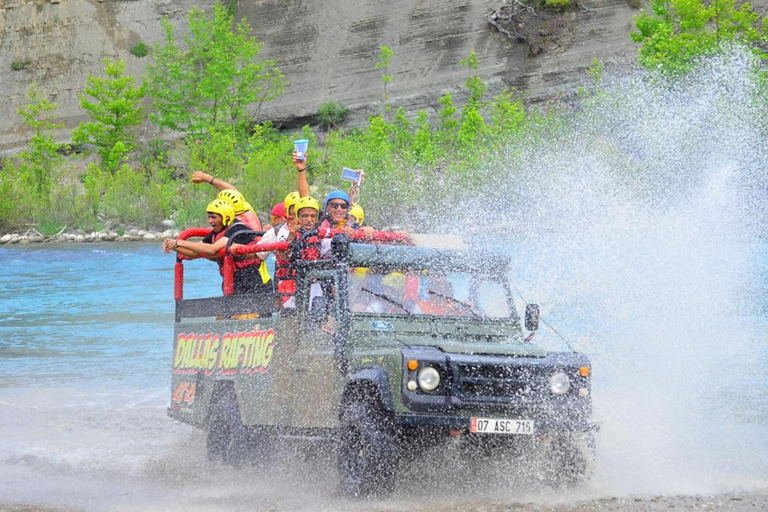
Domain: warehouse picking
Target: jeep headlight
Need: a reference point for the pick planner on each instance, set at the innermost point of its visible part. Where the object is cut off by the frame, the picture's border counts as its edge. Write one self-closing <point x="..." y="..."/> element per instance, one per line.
<point x="429" y="378"/>
<point x="559" y="383"/>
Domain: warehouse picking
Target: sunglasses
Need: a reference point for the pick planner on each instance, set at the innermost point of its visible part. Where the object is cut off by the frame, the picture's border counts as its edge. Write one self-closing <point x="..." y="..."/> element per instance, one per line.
<point x="337" y="206"/>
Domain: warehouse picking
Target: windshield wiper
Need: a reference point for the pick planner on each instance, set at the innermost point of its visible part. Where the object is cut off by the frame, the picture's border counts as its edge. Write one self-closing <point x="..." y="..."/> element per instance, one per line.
<point x="467" y="306"/>
<point x="391" y="301"/>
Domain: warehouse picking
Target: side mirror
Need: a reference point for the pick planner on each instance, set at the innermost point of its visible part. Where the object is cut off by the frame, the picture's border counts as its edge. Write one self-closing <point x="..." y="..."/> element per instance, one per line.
<point x="532" y="317"/>
<point x="318" y="311"/>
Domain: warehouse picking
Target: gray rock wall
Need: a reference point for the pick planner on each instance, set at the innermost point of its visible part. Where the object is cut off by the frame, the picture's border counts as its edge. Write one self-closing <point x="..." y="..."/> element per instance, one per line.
<point x="62" y="43"/>
<point x="329" y="49"/>
<point x="326" y="48"/>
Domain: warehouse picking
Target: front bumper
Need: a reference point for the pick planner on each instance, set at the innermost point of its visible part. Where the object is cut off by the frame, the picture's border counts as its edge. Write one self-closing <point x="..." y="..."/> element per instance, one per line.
<point x="543" y="426"/>
<point x="498" y="387"/>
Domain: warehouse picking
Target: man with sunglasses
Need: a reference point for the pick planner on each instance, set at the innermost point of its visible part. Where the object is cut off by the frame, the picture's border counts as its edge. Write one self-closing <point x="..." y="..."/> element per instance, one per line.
<point x="336" y="209"/>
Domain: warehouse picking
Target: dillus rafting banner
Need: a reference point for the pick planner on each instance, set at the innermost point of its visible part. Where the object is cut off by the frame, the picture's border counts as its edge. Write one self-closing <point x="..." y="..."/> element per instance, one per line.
<point x="240" y="352"/>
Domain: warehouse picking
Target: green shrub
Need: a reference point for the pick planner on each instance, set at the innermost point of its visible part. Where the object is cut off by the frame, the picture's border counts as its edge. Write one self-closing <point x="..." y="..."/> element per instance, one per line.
<point x="331" y="114"/>
<point x="18" y="65"/>
<point x="140" y="49"/>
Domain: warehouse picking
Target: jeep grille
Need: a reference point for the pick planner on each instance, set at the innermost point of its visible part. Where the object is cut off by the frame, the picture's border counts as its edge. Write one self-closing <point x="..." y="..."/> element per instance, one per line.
<point x="492" y="382"/>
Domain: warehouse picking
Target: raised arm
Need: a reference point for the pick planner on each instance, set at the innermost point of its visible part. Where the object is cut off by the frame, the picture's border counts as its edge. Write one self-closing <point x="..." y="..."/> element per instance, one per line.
<point x="171" y="244"/>
<point x="301" y="180"/>
<point x="354" y="191"/>
<point x="194" y="249"/>
<point x="204" y="177"/>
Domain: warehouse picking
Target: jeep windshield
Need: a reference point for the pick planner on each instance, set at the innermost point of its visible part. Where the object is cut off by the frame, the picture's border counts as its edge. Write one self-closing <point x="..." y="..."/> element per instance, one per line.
<point x="438" y="292"/>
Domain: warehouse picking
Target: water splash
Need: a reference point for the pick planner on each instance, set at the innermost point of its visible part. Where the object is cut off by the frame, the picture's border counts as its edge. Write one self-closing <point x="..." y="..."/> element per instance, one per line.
<point x="640" y="226"/>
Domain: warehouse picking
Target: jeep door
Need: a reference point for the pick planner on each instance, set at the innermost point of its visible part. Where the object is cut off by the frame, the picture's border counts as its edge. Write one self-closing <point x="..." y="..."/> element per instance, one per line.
<point x="317" y="381"/>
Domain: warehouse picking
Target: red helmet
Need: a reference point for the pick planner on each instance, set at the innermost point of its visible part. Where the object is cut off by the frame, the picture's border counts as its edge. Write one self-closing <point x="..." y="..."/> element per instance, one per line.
<point x="278" y="210"/>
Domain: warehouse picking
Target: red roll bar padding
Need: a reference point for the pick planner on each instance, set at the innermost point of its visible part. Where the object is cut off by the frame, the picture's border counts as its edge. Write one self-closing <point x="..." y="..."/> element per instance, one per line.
<point x="192" y="233"/>
<point x="178" y="281"/>
<point x="241" y="250"/>
<point x="228" y="272"/>
<point x="376" y="236"/>
<point x="228" y="268"/>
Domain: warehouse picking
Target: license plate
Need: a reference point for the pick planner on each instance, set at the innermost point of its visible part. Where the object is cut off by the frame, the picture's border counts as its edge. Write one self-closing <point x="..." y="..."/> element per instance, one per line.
<point x="500" y="426"/>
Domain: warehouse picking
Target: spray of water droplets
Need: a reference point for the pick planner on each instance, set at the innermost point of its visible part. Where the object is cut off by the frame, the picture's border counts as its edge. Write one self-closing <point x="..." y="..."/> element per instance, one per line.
<point x="639" y="227"/>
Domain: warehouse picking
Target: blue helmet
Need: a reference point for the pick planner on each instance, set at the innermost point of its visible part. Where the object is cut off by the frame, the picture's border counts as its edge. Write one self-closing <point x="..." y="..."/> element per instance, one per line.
<point x="336" y="194"/>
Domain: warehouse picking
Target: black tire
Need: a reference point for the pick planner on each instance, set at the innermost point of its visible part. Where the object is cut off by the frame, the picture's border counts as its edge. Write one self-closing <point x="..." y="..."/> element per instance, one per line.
<point x="226" y="439"/>
<point x="571" y="459"/>
<point x="367" y="451"/>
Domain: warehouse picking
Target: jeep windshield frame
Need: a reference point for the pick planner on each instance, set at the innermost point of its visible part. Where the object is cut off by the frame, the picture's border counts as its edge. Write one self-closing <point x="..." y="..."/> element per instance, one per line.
<point x="415" y="281"/>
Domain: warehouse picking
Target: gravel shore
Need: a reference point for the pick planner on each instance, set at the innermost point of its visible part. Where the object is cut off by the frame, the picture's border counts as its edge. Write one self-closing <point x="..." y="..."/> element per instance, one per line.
<point x="728" y="502"/>
<point x="79" y="236"/>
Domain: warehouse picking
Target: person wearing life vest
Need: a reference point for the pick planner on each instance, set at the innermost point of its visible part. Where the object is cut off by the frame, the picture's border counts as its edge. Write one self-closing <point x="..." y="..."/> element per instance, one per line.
<point x="306" y="212"/>
<point x="221" y="217"/>
<point x="243" y="209"/>
<point x="335" y="211"/>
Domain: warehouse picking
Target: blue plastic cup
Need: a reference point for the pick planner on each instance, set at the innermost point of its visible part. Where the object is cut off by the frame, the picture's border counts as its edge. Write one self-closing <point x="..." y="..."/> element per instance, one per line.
<point x="350" y="175"/>
<point x="301" y="148"/>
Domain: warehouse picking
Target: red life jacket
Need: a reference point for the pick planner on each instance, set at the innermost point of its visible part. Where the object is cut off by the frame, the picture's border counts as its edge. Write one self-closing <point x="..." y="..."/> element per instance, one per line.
<point x="285" y="277"/>
<point x="285" y="274"/>
<point x="249" y="260"/>
<point x="311" y="250"/>
<point x="250" y="219"/>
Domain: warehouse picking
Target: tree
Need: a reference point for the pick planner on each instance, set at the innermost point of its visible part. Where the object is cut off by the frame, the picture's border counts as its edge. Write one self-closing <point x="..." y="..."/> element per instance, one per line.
<point x="472" y="122"/>
<point x="215" y="79"/>
<point x="385" y="54"/>
<point x="679" y="32"/>
<point x="116" y="110"/>
<point x="37" y="163"/>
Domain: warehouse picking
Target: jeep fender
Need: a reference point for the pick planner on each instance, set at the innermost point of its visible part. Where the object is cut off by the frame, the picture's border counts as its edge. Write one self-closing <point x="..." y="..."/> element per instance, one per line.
<point x="367" y="381"/>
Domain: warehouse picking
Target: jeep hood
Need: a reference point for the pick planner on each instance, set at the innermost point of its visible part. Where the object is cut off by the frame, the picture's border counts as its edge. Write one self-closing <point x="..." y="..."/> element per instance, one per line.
<point x="489" y="348"/>
<point x="449" y="337"/>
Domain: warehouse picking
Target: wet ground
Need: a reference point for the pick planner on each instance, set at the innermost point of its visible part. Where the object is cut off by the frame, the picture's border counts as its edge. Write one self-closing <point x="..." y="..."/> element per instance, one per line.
<point x="731" y="502"/>
<point x="182" y="480"/>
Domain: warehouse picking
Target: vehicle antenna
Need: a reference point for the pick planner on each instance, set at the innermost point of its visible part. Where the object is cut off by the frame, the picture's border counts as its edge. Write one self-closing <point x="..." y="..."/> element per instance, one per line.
<point x="545" y="322"/>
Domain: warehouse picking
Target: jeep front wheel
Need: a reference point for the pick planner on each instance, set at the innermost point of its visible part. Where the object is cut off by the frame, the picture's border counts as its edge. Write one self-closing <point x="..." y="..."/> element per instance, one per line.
<point x="367" y="451"/>
<point x="571" y="459"/>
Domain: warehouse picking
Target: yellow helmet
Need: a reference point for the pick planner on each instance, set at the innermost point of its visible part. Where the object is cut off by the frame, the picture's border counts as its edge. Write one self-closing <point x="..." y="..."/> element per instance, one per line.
<point x="306" y="202"/>
<point x="291" y="200"/>
<point x="394" y="280"/>
<point x="236" y="199"/>
<point x="357" y="212"/>
<point x="223" y="208"/>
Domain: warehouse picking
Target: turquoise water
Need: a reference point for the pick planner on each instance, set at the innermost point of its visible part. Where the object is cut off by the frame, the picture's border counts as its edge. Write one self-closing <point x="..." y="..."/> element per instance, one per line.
<point x="90" y="313"/>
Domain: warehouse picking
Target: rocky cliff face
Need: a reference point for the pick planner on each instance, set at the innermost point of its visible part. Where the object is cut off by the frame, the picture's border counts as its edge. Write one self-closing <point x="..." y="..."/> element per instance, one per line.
<point x="327" y="50"/>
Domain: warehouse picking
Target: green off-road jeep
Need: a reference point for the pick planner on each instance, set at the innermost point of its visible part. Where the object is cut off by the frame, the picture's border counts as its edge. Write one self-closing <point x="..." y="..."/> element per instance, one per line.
<point x="388" y="350"/>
